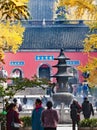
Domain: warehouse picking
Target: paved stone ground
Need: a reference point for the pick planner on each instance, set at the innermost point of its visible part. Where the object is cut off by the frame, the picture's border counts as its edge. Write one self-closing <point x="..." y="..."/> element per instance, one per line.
<point x="65" y="127"/>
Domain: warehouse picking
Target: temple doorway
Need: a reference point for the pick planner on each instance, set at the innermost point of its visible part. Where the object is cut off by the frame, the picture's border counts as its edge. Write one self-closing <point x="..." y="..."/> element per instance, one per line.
<point x="44" y="71"/>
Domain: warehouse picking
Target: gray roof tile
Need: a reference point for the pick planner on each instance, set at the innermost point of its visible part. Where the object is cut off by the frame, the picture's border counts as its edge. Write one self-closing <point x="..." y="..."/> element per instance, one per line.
<point x="54" y="37"/>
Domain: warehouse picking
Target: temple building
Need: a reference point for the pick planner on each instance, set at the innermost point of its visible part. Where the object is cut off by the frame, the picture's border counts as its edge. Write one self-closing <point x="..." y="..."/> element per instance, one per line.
<point x="44" y="36"/>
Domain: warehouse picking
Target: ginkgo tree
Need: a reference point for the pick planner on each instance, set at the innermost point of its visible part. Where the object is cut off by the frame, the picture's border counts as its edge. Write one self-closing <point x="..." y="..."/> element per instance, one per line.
<point x="11" y="34"/>
<point x="85" y="10"/>
<point x="12" y="12"/>
<point x="11" y="29"/>
<point x="91" y="67"/>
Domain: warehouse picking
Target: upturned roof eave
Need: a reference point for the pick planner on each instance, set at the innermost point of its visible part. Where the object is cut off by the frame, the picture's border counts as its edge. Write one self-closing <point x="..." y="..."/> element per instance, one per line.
<point x="62" y="75"/>
<point x="64" y="65"/>
<point x="62" y="58"/>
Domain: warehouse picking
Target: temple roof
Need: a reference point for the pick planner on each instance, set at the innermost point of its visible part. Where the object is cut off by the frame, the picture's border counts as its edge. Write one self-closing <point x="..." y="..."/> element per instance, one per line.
<point x="54" y="36"/>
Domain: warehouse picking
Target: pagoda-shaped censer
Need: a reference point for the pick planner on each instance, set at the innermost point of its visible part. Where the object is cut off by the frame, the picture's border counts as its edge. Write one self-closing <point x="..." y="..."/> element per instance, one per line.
<point x="62" y="95"/>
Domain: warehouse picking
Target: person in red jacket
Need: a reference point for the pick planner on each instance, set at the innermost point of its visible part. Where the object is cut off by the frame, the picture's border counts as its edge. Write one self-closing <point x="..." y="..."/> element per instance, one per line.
<point x="12" y="114"/>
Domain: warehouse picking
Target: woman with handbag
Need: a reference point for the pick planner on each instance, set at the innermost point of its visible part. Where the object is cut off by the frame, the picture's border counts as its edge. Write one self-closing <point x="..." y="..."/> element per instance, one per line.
<point x="12" y="118"/>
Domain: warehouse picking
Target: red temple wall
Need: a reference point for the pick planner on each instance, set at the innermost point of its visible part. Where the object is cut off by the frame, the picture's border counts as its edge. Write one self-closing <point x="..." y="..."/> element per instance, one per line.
<point x="31" y="65"/>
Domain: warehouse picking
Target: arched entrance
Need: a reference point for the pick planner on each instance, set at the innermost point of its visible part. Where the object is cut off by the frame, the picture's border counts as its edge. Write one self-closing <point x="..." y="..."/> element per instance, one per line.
<point x="44" y="71"/>
<point x="17" y="73"/>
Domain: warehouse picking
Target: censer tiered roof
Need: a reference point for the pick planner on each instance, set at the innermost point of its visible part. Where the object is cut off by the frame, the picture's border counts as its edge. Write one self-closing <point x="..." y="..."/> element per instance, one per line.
<point x="62" y="66"/>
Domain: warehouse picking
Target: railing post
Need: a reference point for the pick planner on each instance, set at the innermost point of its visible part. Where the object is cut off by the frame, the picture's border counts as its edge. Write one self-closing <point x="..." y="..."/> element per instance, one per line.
<point x="0" y="125"/>
<point x="61" y="113"/>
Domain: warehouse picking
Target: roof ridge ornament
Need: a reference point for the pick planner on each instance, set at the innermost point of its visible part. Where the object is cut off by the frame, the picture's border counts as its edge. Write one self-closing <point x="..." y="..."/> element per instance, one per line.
<point x="43" y="22"/>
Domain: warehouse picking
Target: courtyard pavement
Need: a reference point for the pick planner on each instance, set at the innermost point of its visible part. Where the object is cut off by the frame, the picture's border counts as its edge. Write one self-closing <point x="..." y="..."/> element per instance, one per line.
<point x="65" y="127"/>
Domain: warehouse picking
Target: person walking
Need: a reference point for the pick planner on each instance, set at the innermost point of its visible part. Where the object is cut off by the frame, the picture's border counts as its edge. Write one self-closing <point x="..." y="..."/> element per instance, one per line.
<point x="87" y="108"/>
<point x="75" y="110"/>
<point x="36" y="115"/>
<point x="12" y="115"/>
<point x="49" y="117"/>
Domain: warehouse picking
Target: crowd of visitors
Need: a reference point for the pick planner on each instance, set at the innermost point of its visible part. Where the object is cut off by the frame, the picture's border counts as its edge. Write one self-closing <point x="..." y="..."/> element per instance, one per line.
<point x="81" y="89"/>
<point x="47" y="117"/>
<point x="41" y="118"/>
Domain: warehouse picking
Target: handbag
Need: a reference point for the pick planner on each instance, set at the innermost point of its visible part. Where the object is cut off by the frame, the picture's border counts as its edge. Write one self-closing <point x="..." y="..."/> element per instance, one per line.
<point x="14" y="124"/>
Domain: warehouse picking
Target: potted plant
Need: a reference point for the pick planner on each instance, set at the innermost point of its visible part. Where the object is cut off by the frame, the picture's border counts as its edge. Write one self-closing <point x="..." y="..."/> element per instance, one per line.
<point x="27" y="123"/>
<point x="88" y="124"/>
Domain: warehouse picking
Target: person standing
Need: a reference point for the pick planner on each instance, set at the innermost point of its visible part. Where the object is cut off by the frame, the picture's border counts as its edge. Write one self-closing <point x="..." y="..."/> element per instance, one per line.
<point x="18" y="104"/>
<point x="12" y="115"/>
<point x="85" y="90"/>
<point x="49" y="117"/>
<point x="36" y="115"/>
<point x="25" y="100"/>
<point x="96" y="104"/>
<point x="79" y="89"/>
<point x="87" y="108"/>
<point x="75" y="110"/>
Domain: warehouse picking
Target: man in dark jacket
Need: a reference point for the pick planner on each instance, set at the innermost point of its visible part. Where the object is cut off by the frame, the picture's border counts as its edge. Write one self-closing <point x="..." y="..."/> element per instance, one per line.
<point x="87" y="108"/>
<point x="75" y="110"/>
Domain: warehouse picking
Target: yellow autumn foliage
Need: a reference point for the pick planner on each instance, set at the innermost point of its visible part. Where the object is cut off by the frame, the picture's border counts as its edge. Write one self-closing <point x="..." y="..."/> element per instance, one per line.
<point x="11" y="36"/>
<point x="81" y="7"/>
<point x="85" y="10"/>
<point x="20" y="1"/>
<point x="90" y="43"/>
<point x="11" y="30"/>
<point x="13" y="10"/>
<point x="92" y="80"/>
<point x="90" y="67"/>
